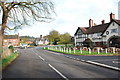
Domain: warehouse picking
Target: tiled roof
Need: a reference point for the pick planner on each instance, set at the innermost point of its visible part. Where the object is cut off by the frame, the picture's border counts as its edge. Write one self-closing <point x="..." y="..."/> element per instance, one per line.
<point x="11" y="36"/>
<point x="97" y="28"/>
<point x="118" y="21"/>
<point x="84" y="29"/>
<point x="94" y="29"/>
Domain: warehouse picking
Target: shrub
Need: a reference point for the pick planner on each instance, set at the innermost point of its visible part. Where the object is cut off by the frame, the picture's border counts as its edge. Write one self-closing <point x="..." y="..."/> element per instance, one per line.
<point x="11" y="48"/>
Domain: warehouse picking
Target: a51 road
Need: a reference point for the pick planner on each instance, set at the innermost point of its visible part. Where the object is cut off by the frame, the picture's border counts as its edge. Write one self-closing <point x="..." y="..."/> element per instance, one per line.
<point x="38" y="63"/>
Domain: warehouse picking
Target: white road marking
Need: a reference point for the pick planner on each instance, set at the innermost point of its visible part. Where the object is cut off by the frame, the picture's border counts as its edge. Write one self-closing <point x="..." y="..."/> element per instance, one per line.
<point x="41" y="58"/>
<point x="104" y="65"/>
<point x="52" y="67"/>
<point x="82" y="60"/>
<point x="58" y="72"/>
<point x="104" y="59"/>
<point x="116" y="62"/>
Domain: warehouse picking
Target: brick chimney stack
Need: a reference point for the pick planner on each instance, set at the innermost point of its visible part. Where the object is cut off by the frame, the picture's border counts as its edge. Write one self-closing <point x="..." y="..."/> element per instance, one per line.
<point x="91" y="23"/>
<point x="103" y="21"/>
<point x="112" y="16"/>
<point x="40" y="36"/>
<point x="94" y="24"/>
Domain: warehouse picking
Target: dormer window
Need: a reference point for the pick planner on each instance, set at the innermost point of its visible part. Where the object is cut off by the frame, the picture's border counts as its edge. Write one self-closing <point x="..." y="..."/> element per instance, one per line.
<point x="114" y="30"/>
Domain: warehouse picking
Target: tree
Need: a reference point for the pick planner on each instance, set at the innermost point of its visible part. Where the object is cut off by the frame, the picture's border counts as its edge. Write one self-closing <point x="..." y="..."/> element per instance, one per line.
<point x="23" y="12"/>
<point x="54" y="36"/>
<point x="65" y="39"/>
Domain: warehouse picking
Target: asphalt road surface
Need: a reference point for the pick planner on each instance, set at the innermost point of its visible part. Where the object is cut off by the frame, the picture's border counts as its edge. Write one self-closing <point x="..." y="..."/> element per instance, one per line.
<point x="37" y="63"/>
<point x="108" y="60"/>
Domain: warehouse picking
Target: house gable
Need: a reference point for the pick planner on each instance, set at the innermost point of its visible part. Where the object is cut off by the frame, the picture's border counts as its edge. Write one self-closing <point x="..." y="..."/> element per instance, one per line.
<point x="78" y="31"/>
<point x="112" y="25"/>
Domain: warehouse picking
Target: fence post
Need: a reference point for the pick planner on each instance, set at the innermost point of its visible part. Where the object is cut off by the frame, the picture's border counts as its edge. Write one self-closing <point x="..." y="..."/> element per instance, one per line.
<point x="81" y="50"/>
<point x="89" y="50"/>
<point x="106" y="50"/>
<point x="113" y="50"/>
<point x="44" y="47"/>
<point x="98" y="50"/>
<point x="69" y="50"/>
<point x="60" y="48"/>
<point x="74" y="50"/>
<point x="64" y="49"/>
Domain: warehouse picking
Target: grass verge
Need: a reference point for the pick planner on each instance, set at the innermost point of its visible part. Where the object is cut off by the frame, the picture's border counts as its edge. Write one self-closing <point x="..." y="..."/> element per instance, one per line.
<point x="8" y="60"/>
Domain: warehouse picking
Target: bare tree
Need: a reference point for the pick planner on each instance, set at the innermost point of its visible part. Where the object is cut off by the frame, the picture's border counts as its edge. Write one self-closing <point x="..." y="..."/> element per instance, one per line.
<point x="21" y="13"/>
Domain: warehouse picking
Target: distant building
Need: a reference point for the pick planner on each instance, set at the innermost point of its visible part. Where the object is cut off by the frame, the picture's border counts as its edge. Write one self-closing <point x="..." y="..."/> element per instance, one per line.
<point x="27" y="39"/>
<point x="11" y="40"/>
<point x="119" y="10"/>
<point x="102" y="35"/>
<point x="41" y="41"/>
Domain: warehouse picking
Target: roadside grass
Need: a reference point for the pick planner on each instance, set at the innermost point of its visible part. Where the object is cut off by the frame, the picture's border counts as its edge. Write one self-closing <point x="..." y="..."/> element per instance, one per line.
<point x="77" y="52"/>
<point x="5" y="62"/>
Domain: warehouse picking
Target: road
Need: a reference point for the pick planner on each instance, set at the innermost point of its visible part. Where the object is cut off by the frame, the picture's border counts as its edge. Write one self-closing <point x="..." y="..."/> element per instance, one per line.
<point x="37" y="63"/>
<point x="108" y="60"/>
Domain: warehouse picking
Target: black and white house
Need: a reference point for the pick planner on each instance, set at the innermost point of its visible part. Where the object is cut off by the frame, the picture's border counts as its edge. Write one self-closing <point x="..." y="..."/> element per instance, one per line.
<point x="102" y="35"/>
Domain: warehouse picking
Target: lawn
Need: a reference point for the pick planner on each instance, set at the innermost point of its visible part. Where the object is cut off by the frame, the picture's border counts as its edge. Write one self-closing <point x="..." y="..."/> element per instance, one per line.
<point x="77" y="52"/>
<point x="5" y="62"/>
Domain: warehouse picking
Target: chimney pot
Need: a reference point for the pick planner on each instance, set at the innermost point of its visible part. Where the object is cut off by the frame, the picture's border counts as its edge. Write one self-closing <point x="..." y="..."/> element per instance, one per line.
<point x="94" y="24"/>
<point x="91" y="23"/>
<point x="40" y="36"/>
<point x="112" y="16"/>
<point x="103" y="21"/>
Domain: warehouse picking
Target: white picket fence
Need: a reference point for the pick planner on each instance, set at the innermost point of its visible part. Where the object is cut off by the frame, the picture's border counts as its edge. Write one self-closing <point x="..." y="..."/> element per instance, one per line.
<point x="96" y="49"/>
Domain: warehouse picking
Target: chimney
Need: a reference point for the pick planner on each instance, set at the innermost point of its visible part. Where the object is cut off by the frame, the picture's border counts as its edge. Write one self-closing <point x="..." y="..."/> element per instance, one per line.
<point x="103" y="21"/>
<point x="40" y="36"/>
<point x="94" y="24"/>
<point x="91" y="23"/>
<point x="18" y="35"/>
<point x="112" y="16"/>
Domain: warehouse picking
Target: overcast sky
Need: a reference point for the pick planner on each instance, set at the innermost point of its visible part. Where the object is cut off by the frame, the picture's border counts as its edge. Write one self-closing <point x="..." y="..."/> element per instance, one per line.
<point x="72" y="14"/>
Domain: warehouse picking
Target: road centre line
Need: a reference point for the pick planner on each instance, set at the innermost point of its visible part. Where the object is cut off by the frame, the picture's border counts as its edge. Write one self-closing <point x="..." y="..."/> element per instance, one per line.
<point x="52" y="67"/>
<point x="39" y="56"/>
<point x="58" y="72"/>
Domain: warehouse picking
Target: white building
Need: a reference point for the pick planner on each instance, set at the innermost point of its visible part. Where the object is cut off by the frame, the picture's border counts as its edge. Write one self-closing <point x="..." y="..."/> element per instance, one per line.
<point x="41" y="41"/>
<point x="102" y="35"/>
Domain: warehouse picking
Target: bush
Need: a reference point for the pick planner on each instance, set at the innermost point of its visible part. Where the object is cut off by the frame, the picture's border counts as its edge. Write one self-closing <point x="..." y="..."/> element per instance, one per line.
<point x="11" y="48"/>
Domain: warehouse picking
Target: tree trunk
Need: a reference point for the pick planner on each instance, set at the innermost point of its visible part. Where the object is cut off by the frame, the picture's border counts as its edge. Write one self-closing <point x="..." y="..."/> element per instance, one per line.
<point x="4" y="22"/>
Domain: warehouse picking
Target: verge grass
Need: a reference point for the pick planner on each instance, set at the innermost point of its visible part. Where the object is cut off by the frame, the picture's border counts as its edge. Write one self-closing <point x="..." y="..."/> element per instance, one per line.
<point x="5" y="62"/>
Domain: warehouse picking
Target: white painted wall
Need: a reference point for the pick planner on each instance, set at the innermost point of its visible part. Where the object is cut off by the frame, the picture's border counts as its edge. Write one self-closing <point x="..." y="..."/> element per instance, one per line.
<point x="110" y="29"/>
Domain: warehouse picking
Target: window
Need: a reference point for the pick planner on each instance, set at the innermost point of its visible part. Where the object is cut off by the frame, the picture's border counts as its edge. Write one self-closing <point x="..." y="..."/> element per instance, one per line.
<point x="91" y="35"/>
<point x="14" y="40"/>
<point x="114" y="31"/>
<point x="79" y="35"/>
<point x="113" y="24"/>
<point x="98" y="34"/>
<point x="5" y="40"/>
